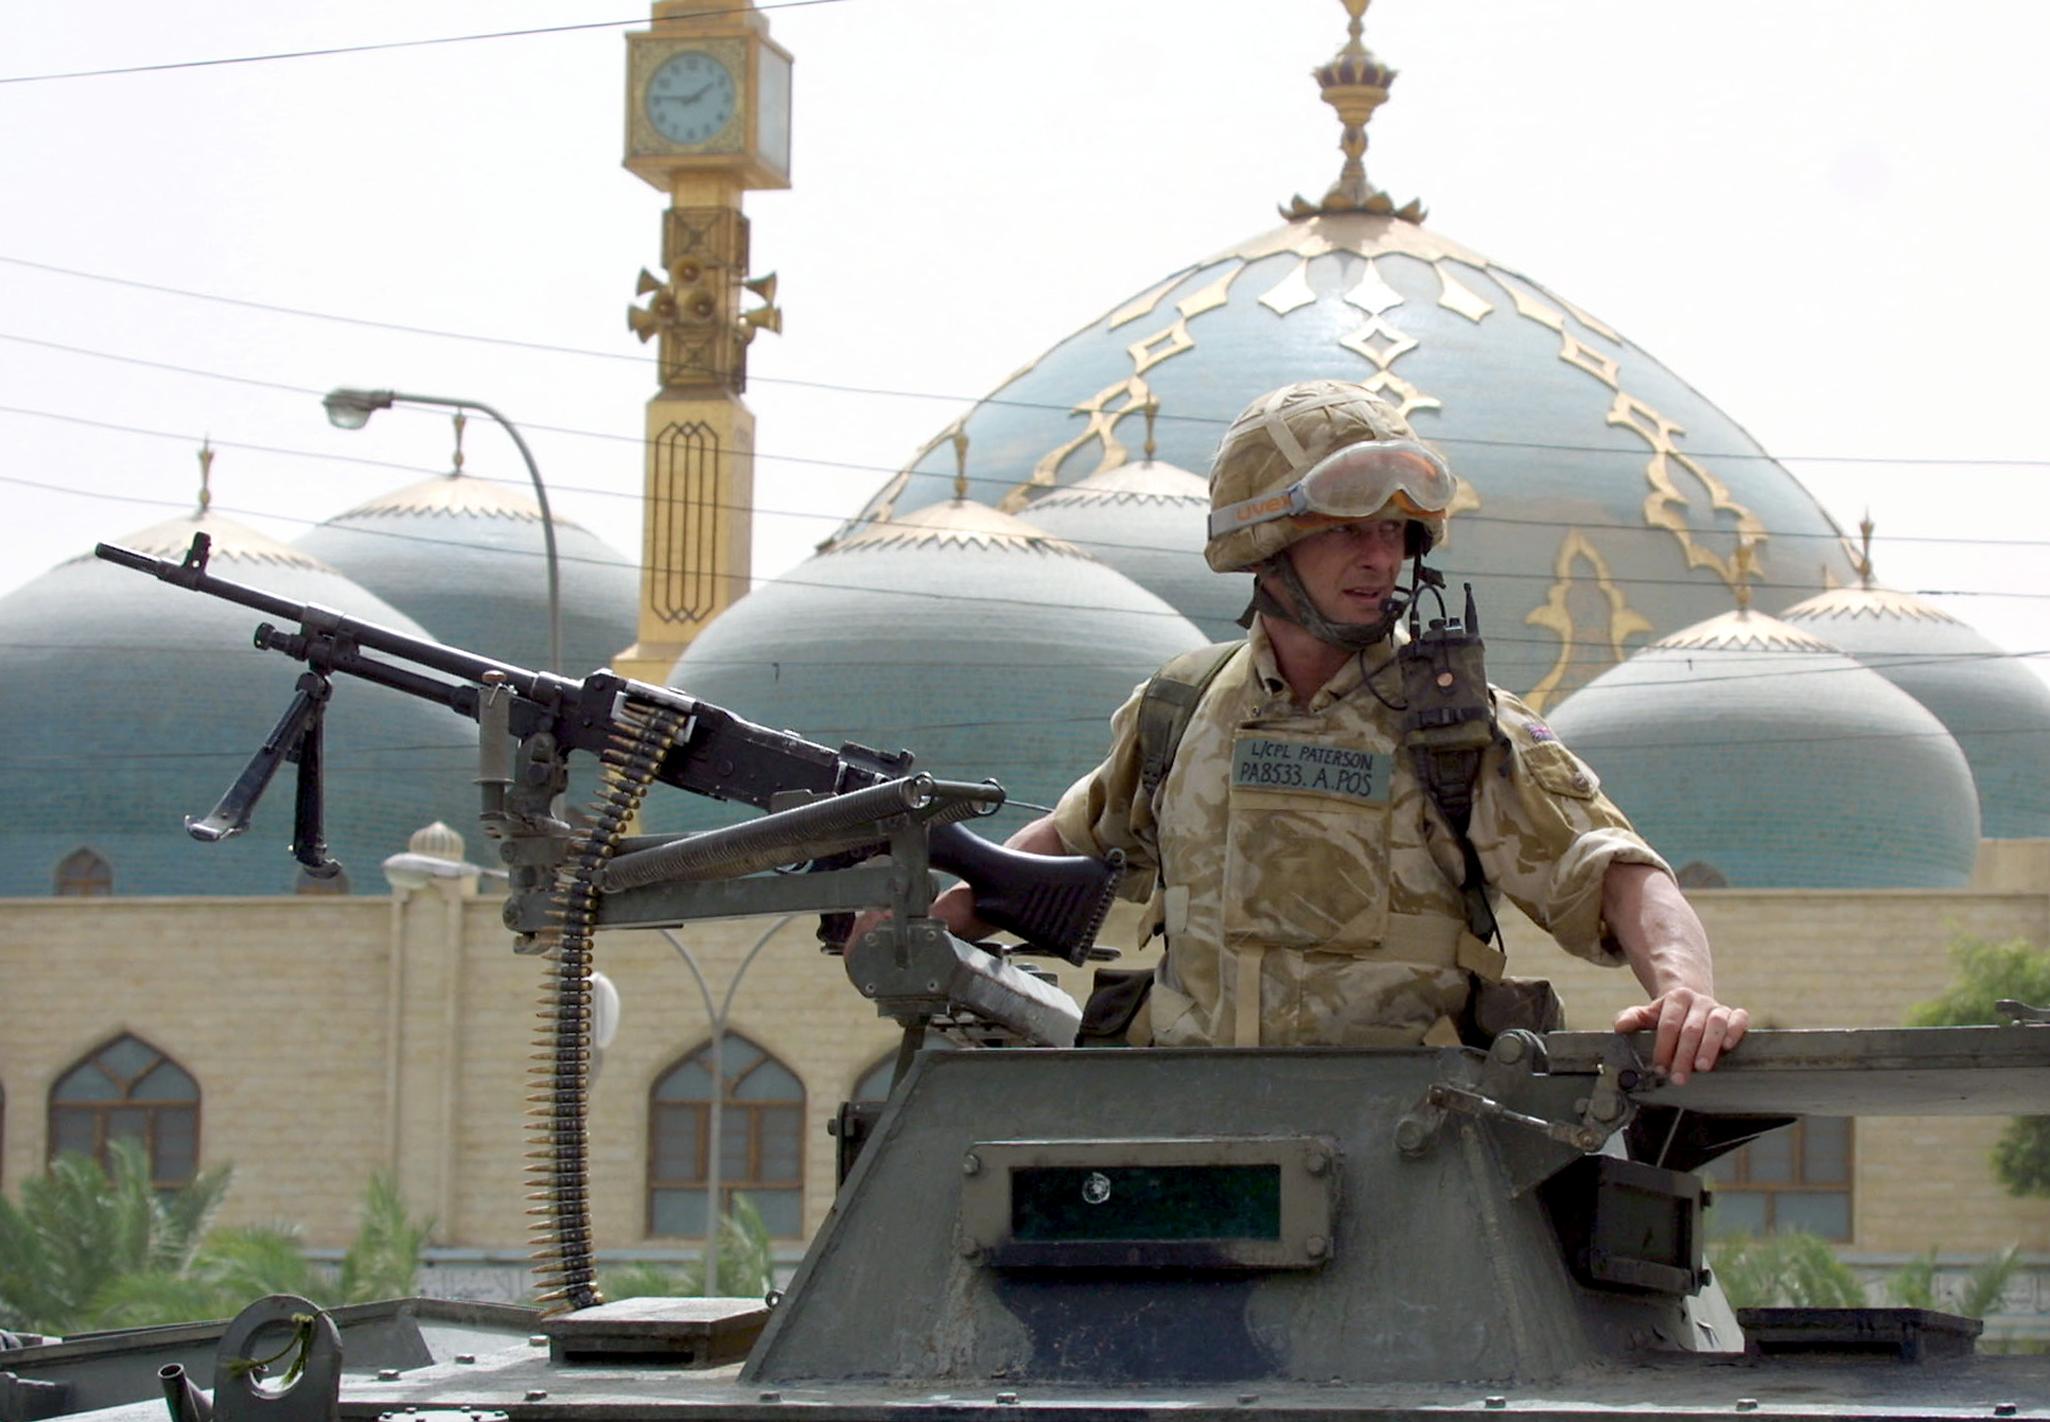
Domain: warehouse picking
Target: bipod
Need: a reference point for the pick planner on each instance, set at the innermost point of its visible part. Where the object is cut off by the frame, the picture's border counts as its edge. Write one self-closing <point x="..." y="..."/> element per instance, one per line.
<point x="297" y="738"/>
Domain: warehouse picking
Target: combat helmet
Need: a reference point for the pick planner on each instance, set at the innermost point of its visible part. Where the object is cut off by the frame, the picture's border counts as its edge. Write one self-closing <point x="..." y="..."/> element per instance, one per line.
<point x="1308" y="453"/>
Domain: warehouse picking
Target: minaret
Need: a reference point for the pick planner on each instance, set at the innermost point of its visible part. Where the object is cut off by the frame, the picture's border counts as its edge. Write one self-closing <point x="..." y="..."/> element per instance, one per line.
<point x="707" y="118"/>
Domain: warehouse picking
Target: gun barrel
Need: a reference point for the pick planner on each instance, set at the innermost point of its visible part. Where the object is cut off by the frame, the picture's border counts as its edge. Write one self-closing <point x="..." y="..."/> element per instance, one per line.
<point x="315" y="622"/>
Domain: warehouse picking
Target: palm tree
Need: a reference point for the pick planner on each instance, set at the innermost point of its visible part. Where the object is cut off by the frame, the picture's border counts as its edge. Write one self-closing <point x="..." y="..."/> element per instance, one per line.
<point x="79" y="1227"/>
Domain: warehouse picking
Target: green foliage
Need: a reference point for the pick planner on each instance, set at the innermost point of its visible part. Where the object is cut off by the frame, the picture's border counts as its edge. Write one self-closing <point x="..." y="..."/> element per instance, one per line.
<point x="1988" y="1282"/>
<point x="2021" y="1157"/>
<point x="644" y="1280"/>
<point x="230" y="1270"/>
<point x="88" y="1249"/>
<point x="1986" y="973"/>
<point x="1915" y="1285"/>
<point x="78" y="1228"/>
<point x="383" y="1261"/>
<point x="747" y="1265"/>
<point x="1790" y="1270"/>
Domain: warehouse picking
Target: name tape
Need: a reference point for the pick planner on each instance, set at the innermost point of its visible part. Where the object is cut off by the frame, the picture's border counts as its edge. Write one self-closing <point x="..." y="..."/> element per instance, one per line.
<point x="1265" y="763"/>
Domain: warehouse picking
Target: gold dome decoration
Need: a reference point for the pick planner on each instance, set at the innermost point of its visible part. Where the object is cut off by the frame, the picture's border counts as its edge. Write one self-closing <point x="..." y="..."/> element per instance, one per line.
<point x="455" y="493"/>
<point x="1146" y="480"/>
<point x="1570" y="672"/>
<point x="1840" y="604"/>
<point x="1354" y="83"/>
<point x="232" y="542"/>
<point x="958" y="523"/>
<point x="1744" y="630"/>
<point x="961" y="522"/>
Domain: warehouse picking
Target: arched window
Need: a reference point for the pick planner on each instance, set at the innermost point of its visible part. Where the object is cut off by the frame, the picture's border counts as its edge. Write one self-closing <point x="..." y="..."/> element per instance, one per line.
<point x="128" y="1090"/>
<point x="761" y="1140"/>
<point x="83" y="874"/>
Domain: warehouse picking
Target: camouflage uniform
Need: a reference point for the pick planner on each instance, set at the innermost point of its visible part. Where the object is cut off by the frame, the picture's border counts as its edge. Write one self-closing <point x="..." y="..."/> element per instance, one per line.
<point x="1301" y="854"/>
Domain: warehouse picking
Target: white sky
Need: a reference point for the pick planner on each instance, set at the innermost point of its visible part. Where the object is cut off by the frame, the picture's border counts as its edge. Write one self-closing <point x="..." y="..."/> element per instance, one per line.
<point x="1827" y="215"/>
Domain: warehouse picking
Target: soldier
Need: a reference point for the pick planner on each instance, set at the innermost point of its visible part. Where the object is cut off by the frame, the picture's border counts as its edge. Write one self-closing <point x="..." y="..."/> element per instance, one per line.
<point x="1313" y="889"/>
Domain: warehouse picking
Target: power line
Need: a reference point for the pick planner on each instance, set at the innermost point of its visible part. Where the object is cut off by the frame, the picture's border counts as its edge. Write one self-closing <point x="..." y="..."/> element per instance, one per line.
<point x="1907" y="461"/>
<point x="396" y="44"/>
<point x="948" y="596"/>
<point x="1084" y="544"/>
<point x="643" y="442"/>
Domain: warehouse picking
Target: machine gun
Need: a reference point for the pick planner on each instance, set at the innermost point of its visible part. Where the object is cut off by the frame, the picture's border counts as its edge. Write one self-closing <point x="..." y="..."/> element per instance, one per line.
<point x="867" y="828"/>
<point x="829" y="809"/>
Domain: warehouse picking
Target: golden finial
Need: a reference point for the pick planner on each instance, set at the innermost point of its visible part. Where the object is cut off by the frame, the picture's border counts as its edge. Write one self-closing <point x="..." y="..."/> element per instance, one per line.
<point x="1152" y="409"/>
<point x="206" y="475"/>
<point x="1354" y="83"/>
<point x="1743" y="571"/>
<point x="960" y="438"/>
<point x="1865" y="554"/>
<point x="455" y="462"/>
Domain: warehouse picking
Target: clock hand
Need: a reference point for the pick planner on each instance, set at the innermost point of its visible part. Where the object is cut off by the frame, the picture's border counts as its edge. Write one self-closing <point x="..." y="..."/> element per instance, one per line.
<point x="694" y="95"/>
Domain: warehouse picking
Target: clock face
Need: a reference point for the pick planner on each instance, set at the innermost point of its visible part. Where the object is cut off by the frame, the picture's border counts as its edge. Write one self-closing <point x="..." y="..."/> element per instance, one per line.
<point x="690" y="97"/>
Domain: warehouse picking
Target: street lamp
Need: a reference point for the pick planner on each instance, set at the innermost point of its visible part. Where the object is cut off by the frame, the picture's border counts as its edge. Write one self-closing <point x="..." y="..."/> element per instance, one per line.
<point x="349" y="409"/>
<point x="714" y="1184"/>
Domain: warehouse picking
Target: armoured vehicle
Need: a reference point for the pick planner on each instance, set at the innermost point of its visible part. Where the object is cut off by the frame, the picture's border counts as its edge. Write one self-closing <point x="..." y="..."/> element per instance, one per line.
<point x="1294" y="1232"/>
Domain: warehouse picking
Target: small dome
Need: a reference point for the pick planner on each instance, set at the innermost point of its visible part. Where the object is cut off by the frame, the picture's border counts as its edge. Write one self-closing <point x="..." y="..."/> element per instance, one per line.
<point x="1997" y="709"/>
<point x="970" y="637"/>
<point x="1149" y="521"/>
<point x="137" y="703"/>
<point x="438" y="841"/>
<point x="1752" y="752"/>
<point x="466" y="558"/>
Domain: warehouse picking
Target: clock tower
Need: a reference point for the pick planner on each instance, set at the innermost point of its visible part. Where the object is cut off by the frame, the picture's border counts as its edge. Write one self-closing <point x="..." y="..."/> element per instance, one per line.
<point x="707" y="118"/>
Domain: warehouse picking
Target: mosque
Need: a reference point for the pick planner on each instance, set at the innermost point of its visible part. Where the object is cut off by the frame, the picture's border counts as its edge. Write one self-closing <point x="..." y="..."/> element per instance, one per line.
<point x="1845" y="777"/>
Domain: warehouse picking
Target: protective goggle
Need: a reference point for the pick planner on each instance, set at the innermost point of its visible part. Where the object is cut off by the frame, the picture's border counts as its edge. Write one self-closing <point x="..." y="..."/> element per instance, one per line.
<point x="1355" y="481"/>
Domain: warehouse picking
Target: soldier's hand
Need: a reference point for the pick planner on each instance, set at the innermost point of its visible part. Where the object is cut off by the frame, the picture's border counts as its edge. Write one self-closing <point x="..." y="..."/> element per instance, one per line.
<point x="1694" y="1030"/>
<point x="955" y="908"/>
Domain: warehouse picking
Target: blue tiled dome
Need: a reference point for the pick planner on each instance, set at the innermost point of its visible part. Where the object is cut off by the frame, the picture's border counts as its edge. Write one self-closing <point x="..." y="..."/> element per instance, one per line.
<point x="1605" y="496"/>
<point x="1749" y="752"/>
<point x="465" y="558"/>
<point x="1998" y="711"/>
<point x="135" y="703"/>
<point x="984" y="646"/>
<point x="1148" y="520"/>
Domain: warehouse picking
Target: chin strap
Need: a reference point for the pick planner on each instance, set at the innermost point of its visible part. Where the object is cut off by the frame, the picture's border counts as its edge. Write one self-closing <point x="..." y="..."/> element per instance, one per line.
<point x="1351" y="636"/>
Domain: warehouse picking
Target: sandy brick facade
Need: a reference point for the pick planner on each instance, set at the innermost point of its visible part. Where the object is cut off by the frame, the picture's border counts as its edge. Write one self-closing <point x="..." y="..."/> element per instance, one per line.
<point x="333" y="1036"/>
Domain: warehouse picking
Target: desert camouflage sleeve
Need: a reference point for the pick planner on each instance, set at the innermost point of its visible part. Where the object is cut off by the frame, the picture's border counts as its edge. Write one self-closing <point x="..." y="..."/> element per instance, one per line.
<point x="1546" y="833"/>
<point x="1106" y="809"/>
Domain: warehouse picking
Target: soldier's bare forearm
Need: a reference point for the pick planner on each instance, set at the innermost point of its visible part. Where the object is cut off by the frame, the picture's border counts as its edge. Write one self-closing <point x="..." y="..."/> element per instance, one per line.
<point x="1667" y="947"/>
<point x="1659" y="931"/>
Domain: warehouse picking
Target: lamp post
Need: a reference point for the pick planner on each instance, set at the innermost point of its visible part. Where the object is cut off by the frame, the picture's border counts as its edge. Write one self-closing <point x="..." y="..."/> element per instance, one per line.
<point x="349" y="409"/>
<point x="713" y="1184"/>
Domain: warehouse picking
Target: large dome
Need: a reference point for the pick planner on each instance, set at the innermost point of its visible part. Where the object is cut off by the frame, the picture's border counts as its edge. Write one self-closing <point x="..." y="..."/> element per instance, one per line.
<point x="1148" y="520"/>
<point x="1753" y="754"/>
<point x="1605" y="497"/>
<point x="1998" y="711"/>
<point x="135" y="703"/>
<point x="465" y="558"/>
<point x="964" y="635"/>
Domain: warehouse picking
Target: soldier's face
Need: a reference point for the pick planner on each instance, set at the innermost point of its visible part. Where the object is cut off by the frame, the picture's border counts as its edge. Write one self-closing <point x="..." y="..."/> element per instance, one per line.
<point x="1350" y="569"/>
